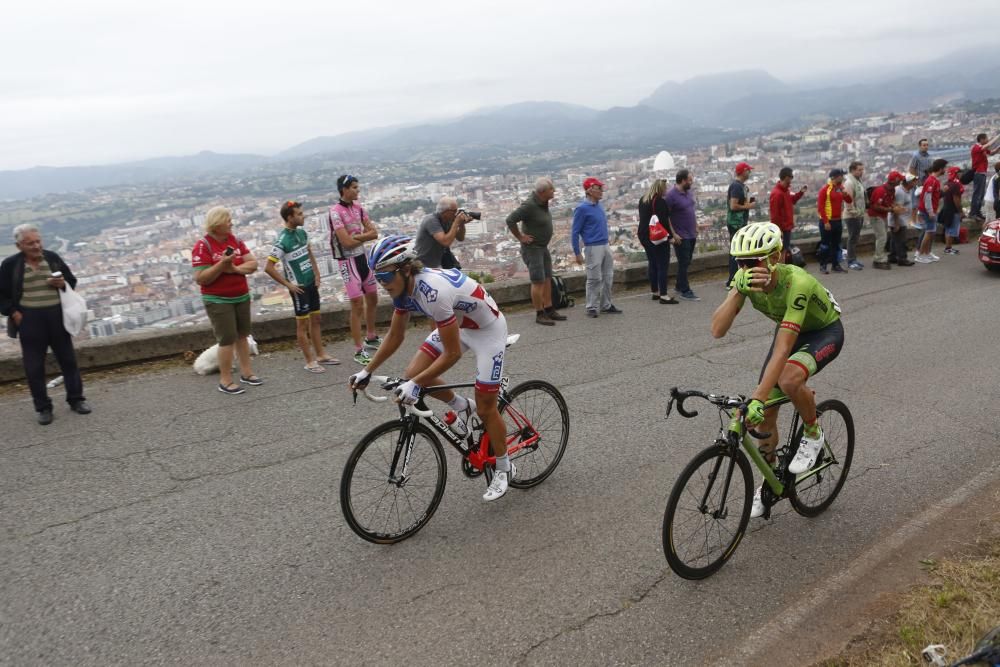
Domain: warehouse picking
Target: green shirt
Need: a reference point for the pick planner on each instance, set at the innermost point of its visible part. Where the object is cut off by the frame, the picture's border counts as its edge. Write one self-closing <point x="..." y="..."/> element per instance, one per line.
<point x="535" y="220"/>
<point x="798" y="302"/>
<point x="292" y="250"/>
<point x="37" y="292"/>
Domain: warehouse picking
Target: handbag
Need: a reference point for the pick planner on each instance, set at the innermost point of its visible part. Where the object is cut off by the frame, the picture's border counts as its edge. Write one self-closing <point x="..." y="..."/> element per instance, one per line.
<point x="74" y="309"/>
<point x="657" y="232"/>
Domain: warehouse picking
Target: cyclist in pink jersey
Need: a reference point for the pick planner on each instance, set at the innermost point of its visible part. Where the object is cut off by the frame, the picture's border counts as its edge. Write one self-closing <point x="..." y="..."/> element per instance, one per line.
<point x="350" y="228"/>
<point x="467" y="318"/>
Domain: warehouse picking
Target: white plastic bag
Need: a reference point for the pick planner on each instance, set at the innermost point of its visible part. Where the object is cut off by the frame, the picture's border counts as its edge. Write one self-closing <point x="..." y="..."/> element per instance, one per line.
<point x="74" y="310"/>
<point x="988" y="198"/>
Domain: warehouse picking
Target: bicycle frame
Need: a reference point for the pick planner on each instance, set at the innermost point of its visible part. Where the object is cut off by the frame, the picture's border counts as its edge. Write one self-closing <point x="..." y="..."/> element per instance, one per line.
<point x="478" y="456"/>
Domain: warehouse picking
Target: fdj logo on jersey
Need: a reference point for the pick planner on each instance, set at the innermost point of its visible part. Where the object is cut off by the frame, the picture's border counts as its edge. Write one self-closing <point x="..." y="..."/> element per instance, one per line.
<point x="466" y="306"/>
<point x="497" y="367"/>
<point x="430" y="294"/>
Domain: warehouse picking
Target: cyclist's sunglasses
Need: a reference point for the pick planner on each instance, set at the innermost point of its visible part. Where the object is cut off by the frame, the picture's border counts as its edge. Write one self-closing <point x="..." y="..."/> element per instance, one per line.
<point x="386" y="277"/>
<point x="348" y="179"/>
<point x="750" y="262"/>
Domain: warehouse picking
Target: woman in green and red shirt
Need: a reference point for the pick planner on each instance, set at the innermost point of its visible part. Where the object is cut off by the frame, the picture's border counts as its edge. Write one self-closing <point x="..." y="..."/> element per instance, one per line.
<point x="222" y="263"/>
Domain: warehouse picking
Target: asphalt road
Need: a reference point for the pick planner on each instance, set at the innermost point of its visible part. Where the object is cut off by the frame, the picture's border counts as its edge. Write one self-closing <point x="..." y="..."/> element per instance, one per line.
<point x="179" y="525"/>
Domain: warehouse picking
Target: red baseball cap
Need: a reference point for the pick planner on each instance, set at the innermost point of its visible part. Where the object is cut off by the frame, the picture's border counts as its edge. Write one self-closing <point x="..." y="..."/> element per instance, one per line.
<point x="954" y="170"/>
<point x="743" y="167"/>
<point x="895" y="176"/>
<point x="591" y="182"/>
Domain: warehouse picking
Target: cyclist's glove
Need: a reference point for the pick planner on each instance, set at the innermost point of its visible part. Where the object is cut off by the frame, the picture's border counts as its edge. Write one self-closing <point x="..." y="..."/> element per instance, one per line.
<point x="360" y="380"/>
<point x="407" y="393"/>
<point x="755" y="412"/>
<point x="741" y="281"/>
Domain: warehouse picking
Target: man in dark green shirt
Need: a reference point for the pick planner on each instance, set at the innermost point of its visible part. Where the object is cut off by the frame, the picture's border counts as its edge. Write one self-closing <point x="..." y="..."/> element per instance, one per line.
<point x="534" y="234"/>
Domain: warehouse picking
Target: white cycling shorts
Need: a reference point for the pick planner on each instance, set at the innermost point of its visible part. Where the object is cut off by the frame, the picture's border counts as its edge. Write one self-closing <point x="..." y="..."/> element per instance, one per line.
<point x="487" y="344"/>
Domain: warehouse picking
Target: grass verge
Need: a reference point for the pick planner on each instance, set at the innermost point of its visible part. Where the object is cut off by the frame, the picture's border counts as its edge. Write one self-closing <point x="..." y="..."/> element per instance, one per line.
<point x="959" y="606"/>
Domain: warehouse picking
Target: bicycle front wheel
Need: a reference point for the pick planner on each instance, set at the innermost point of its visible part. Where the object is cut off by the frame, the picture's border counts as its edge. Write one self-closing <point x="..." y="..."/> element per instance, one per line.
<point x="814" y="490"/>
<point x="708" y="512"/>
<point x="383" y="505"/>
<point x="535" y="413"/>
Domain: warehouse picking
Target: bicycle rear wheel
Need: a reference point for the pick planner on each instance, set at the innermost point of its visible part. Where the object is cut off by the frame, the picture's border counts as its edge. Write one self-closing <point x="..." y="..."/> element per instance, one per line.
<point x="815" y="489"/>
<point x="536" y="408"/>
<point x="708" y="512"/>
<point x="386" y="509"/>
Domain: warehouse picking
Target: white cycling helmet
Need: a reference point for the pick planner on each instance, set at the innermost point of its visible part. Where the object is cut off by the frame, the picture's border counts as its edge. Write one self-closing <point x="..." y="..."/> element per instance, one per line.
<point x="391" y="251"/>
<point x="756" y="240"/>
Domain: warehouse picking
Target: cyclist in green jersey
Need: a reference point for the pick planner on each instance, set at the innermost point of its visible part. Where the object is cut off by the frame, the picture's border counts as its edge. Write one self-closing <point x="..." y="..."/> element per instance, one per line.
<point x="809" y="336"/>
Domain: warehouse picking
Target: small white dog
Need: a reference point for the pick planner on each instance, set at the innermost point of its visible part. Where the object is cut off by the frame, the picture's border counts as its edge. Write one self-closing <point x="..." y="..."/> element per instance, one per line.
<point x="208" y="361"/>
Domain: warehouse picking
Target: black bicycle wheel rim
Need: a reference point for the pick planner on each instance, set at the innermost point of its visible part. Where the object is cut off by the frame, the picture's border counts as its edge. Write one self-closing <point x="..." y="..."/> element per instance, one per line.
<point x="812" y="494"/>
<point x="379" y="510"/>
<point x="539" y="406"/>
<point x="697" y="543"/>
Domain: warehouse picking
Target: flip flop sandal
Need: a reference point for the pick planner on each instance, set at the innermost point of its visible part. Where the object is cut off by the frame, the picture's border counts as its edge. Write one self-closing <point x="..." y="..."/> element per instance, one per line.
<point x="233" y="390"/>
<point x="329" y="361"/>
<point x="315" y="369"/>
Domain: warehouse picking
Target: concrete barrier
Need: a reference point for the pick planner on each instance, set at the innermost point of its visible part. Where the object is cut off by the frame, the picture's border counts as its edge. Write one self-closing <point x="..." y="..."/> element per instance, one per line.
<point x="147" y="346"/>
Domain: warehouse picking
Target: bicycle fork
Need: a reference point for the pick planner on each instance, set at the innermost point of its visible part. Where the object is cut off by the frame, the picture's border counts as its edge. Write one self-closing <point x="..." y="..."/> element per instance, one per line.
<point x="721" y="512"/>
<point x="404" y="448"/>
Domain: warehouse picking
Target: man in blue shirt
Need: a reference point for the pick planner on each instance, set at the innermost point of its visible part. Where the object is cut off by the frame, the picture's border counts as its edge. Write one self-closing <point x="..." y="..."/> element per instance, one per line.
<point x="590" y="223"/>
<point x="680" y="205"/>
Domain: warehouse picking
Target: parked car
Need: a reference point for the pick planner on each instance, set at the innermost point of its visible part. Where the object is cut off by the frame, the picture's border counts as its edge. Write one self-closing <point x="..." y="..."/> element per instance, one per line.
<point x="989" y="246"/>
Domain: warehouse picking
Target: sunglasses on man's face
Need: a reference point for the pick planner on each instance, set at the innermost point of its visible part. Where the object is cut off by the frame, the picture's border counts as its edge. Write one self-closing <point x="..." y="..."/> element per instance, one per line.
<point x="750" y="262"/>
<point x="386" y="277"/>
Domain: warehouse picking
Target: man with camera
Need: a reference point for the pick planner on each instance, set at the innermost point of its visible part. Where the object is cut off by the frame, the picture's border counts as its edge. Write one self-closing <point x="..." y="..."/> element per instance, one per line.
<point x="439" y="230"/>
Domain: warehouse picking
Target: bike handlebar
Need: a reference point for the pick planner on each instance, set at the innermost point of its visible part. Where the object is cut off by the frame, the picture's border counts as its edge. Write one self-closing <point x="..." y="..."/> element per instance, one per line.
<point x="739" y="402"/>
<point x="388" y="384"/>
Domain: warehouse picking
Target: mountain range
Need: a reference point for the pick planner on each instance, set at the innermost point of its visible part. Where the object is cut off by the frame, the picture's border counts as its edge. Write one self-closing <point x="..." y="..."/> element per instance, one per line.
<point x="675" y="115"/>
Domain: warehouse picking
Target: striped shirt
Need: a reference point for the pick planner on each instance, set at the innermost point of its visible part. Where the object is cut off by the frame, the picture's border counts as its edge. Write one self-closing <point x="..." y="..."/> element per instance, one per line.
<point x="37" y="293"/>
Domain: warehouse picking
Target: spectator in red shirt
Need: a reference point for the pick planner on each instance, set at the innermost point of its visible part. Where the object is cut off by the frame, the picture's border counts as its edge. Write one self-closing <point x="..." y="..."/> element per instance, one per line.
<point x="221" y="263"/>
<point x="930" y="198"/>
<point x="950" y="215"/>
<point x="783" y="207"/>
<point x="830" y="205"/>
<point x="883" y="199"/>
<point x="981" y="150"/>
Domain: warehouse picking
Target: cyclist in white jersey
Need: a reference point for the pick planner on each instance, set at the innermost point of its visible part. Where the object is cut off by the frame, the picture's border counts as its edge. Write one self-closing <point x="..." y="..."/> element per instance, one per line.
<point x="467" y="318"/>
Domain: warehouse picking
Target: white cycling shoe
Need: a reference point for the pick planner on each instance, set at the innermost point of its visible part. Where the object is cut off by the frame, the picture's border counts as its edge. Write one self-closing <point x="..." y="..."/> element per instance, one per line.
<point x="805" y="458"/>
<point x="757" y="509"/>
<point x="498" y="487"/>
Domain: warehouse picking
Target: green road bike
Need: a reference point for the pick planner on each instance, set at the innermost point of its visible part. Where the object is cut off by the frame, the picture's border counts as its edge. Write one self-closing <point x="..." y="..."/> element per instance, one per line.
<point x="709" y="507"/>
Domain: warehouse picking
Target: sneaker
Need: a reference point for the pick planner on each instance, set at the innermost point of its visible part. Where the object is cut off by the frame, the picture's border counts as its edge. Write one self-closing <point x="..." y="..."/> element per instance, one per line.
<point x="362" y="357"/>
<point x="922" y="259"/>
<point x="668" y="299"/>
<point x="855" y="265"/>
<point x="757" y="509"/>
<point x="933" y="257"/>
<point x="543" y="319"/>
<point x="372" y="343"/>
<point x="882" y="265"/>
<point x="231" y="389"/>
<point x="611" y="309"/>
<point x="45" y="416"/>
<point x="805" y="458"/>
<point x="591" y="312"/>
<point x="950" y="251"/>
<point x="498" y="487"/>
<point x="823" y="269"/>
<point x="656" y="297"/>
<point x="555" y="315"/>
<point x="904" y="262"/>
<point x="252" y="380"/>
<point x="689" y="296"/>
<point x="837" y="268"/>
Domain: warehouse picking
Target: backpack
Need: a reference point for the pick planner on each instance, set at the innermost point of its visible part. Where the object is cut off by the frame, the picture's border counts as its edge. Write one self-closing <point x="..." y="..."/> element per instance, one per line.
<point x="967" y="177"/>
<point x="795" y="257"/>
<point x="869" y="191"/>
<point x="560" y="298"/>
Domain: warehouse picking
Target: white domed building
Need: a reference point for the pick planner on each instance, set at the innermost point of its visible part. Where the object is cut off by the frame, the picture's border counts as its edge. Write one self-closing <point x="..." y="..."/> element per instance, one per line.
<point x="664" y="161"/>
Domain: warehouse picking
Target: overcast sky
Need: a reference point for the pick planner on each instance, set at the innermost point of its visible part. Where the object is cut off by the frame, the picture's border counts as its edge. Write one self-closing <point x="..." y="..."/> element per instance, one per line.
<point x="107" y="80"/>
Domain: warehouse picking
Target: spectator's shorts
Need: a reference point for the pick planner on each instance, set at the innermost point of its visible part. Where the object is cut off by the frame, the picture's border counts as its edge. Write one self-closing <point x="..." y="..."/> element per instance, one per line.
<point x="538" y="261"/>
<point x="358" y="278"/>
<point x="813" y="350"/>
<point x="955" y="227"/>
<point x="928" y="223"/>
<point x="306" y="303"/>
<point x="229" y="320"/>
<point x="487" y="344"/>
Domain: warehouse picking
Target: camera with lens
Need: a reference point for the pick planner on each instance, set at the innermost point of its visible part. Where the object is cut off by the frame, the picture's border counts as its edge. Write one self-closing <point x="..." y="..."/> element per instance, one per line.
<point x="475" y="215"/>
